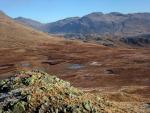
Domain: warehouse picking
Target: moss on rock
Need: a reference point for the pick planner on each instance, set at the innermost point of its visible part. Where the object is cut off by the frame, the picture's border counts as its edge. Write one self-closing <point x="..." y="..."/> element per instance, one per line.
<point x="19" y="107"/>
<point x="39" y="92"/>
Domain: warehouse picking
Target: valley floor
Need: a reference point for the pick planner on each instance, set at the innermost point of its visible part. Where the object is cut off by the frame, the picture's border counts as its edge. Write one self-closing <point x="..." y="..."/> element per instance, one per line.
<point x="120" y="74"/>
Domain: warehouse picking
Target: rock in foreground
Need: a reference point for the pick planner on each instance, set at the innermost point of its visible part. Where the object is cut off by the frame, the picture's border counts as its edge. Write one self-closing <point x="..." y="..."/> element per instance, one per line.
<point x="38" y="92"/>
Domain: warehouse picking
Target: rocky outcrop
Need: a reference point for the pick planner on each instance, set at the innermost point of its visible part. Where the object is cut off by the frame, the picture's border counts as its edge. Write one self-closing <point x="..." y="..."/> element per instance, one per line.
<point x="141" y="40"/>
<point x="38" y="92"/>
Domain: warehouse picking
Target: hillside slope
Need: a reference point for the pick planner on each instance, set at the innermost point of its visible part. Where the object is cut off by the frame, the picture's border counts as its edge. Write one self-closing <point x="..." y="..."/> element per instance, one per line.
<point x="29" y="22"/>
<point x="13" y="34"/>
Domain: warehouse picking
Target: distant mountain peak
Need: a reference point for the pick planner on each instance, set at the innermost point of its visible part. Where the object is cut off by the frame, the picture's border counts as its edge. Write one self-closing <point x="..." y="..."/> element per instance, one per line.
<point x="69" y="19"/>
<point x="29" y="22"/>
<point x="116" y="14"/>
<point x="1" y="12"/>
<point x="102" y="14"/>
<point x="26" y="19"/>
<point x="95" y="14"/>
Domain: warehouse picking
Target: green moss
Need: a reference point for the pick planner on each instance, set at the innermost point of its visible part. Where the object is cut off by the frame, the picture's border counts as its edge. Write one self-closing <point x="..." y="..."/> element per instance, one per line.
<point x="28" y="81"/>
<point x="1" y="110"/>
<point x="19" y="107"/>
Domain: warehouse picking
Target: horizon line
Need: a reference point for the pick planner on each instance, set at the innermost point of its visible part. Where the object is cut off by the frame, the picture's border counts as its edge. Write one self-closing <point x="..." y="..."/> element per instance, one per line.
<point x="105" y="13"/>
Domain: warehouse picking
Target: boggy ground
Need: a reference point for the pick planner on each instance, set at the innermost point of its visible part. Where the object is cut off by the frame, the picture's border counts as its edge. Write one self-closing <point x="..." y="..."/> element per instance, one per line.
<point x="120" y="74"/>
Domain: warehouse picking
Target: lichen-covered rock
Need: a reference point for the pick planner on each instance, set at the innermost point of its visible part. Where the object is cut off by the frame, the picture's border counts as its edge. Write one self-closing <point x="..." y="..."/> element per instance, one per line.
<point x="19" y="107"/>
<point x="87" y="105"/>
<point x="39" y="92"/>
<point x="28" y="81"/>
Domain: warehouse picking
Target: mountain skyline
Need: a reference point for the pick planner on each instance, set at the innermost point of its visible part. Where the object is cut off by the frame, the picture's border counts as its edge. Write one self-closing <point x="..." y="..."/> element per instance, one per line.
<point x="53" y="10"/>
<point x="76" y="16"/>
<point x="111" y="23"/>
<point x="97" y="26"/>
<point x="28" y="18"/>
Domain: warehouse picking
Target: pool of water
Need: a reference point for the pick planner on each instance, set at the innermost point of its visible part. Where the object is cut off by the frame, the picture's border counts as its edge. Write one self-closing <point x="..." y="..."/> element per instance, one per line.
<point x="26" y="65"/>
<point x="76" y="66"/>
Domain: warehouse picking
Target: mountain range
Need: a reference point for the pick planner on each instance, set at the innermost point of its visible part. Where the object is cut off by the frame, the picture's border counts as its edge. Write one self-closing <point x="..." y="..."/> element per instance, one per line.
<point x="98" y="26"/>
<point x="96" y="23"/>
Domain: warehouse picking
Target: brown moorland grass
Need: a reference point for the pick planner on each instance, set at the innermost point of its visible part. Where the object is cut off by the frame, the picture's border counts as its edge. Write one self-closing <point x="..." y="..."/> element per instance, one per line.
<point x="85" y="65"/>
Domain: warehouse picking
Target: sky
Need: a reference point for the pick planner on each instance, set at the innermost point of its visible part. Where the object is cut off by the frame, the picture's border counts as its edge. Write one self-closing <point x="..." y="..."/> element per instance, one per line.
<point x="52" y="10"/>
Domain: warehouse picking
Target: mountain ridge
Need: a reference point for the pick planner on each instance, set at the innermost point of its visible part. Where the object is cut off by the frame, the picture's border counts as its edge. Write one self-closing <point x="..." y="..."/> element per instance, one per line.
<point x="30" y="22"/>
<point x="98" y="25"/>
<point x="113" y="23"/>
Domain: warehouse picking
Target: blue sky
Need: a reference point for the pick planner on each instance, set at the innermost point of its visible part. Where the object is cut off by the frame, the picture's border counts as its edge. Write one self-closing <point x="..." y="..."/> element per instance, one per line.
<point x="52" y="10"/>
